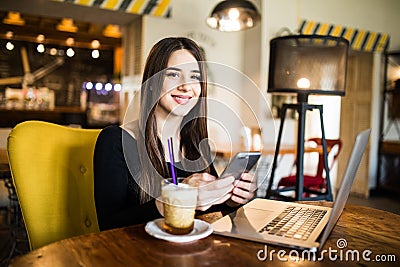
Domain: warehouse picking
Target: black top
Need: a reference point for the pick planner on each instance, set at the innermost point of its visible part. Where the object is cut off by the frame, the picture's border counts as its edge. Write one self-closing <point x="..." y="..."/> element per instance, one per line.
<point x="116" y="193"/>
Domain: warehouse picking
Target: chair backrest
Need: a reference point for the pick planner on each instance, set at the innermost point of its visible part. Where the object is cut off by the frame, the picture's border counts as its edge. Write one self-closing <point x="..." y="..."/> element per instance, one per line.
<point x="52" y="171"/>
<point x="334" y="146"/>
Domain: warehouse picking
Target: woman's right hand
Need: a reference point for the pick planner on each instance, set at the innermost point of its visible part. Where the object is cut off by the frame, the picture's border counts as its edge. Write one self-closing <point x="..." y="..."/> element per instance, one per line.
<point x="211" y="190"/>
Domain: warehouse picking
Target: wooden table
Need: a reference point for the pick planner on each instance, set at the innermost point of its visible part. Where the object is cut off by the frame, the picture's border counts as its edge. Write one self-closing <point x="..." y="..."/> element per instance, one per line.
<point x="363" y="229"/>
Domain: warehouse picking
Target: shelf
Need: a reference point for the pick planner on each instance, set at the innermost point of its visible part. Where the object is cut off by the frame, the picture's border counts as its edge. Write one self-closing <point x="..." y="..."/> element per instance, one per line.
<point x="59" y="115"/>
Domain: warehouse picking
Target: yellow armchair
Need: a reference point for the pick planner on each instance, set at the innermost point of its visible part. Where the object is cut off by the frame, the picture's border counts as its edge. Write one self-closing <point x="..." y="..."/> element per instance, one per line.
<point x="52" y="171"/>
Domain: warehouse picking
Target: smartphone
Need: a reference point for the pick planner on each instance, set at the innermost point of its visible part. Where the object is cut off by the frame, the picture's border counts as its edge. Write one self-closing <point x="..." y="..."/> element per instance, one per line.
<point x="241" y="162"/>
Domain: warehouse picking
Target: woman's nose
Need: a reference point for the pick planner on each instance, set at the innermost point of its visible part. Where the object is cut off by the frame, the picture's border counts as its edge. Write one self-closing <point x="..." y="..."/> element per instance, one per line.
<point x="184" y="87"/>
<point x="185" y="84"/>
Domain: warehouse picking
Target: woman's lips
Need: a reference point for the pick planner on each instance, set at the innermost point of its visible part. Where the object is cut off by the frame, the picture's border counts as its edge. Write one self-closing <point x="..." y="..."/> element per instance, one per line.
<point x="181" y="99"/>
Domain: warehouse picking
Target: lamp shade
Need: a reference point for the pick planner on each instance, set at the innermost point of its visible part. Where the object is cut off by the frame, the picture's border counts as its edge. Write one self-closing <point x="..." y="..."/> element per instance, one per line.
<point x="308" y="64"/>
<point x="233" y="15"/>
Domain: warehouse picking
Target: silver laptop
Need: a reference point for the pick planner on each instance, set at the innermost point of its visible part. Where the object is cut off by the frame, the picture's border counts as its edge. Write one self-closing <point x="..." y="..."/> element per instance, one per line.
<point x="290" y="224"/>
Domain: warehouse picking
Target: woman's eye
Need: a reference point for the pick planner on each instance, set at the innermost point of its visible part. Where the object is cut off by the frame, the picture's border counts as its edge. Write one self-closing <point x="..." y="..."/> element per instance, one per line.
<point x="196" y="77"/>
<point x="173" y="74"/>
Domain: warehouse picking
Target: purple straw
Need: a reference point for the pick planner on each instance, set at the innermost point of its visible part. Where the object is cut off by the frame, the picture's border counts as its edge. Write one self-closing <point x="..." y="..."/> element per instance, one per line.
<point x="171" y="158"/>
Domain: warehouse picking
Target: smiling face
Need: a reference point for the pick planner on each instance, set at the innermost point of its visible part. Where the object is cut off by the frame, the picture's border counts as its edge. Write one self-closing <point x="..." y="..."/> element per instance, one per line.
<point x="181" y="86"/>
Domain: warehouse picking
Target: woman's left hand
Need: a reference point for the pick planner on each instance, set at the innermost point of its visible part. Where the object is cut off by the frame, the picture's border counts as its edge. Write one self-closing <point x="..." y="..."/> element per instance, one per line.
<point x="211" y="191"/>
<point x="244" y="190"/>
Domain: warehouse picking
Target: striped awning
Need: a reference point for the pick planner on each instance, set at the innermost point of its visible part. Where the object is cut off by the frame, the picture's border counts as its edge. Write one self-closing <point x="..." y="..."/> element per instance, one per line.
<point x="159" y="8"/>
<point x="358" y="39"/>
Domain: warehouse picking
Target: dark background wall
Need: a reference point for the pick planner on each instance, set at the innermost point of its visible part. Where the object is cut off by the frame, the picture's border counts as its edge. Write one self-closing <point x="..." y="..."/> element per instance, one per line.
<point x="67" y="79"/>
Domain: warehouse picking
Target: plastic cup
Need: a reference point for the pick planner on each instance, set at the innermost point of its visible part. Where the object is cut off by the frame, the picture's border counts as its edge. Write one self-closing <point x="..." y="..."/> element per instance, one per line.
<point x="179" y="206"/>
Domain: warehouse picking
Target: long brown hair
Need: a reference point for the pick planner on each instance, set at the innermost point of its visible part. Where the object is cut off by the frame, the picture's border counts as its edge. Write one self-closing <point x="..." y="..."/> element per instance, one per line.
<point x="194" y="125"/>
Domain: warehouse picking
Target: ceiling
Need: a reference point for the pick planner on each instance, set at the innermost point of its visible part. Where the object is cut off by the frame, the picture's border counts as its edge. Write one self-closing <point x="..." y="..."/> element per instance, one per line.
<point x="43" y="16"/>
<point x="55" y="9"/>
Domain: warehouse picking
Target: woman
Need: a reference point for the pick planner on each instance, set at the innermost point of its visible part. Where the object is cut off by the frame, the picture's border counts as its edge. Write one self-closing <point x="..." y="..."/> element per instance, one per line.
<point x="131" y="160"/>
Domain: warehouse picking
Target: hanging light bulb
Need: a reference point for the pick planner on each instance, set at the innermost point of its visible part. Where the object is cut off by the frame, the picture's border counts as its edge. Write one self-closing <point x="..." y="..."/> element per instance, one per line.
<point x="9" y="34"/>
<point x="70" y="41"/>
<point x="53" y="51"/>
<point x="40" y="48"/>
<point x="95" y="44"/>
<point x="70" y="52"/>
<point x="117" y="87"/>
<point x="98" y="86"/>
<point x="233" y="15"/>
<point x="95" y="53"/>
<point x="40" y="38"/>
<point x="108" y="87"/>
<point x="9" y="46"/>
<point x="89" y="86"/>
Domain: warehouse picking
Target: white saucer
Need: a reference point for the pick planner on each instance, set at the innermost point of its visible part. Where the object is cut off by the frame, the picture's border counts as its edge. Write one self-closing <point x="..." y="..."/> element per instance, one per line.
<point x="201" y="229"/>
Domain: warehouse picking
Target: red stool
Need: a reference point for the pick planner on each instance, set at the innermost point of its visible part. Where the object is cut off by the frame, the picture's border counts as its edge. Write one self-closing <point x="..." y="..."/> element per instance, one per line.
<point x="315" y="183"/>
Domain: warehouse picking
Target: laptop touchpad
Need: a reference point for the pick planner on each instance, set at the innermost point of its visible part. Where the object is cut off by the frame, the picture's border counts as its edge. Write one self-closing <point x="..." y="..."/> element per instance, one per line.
<point x="257" y="218"/>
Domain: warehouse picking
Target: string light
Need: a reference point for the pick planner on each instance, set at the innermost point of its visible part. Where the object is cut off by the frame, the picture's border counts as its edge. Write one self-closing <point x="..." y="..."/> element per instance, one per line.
<point x="103" y="88"/>
<point x="40" y="48"/>
<point x="117" y="87"/>
<point x="108" y="87"/>
<point x="70" y="52"/>
<point x="89" y="86"/>
<point x="95" y="53"/>
<point x="9" y="46"/>
<point x="53" y="51"/>
<point x="99" y="86"/>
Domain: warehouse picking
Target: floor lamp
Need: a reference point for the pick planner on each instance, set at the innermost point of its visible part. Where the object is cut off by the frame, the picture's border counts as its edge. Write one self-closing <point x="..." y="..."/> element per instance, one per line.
<point x="304" y="65"/>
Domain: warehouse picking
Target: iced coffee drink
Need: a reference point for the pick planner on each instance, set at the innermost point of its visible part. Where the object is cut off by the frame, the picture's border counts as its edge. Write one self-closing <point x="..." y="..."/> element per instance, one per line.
<point x="179" y="207"/>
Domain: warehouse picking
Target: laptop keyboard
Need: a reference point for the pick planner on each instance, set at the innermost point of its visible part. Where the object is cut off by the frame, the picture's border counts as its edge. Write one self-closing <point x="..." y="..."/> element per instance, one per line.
<point x="295" y="222"/>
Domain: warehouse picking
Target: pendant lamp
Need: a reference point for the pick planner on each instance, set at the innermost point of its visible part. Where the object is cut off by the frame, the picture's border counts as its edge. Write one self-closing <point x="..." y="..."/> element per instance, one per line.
<point x="233" y="15"/>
